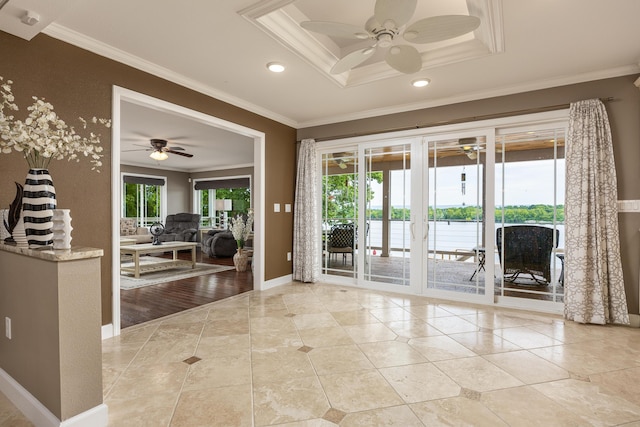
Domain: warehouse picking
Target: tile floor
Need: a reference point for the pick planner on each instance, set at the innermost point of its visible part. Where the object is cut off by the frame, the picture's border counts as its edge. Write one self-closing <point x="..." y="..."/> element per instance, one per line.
<point x="323" y="355"/>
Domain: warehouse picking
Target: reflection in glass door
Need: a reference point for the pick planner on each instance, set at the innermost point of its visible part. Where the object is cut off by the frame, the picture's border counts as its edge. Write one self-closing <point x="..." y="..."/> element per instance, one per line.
<point x="454" y="260"/>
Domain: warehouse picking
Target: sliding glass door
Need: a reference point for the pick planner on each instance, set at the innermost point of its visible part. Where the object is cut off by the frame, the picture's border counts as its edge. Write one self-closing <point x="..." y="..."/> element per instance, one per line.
<point x="530" y="214"/>
<point x="455" y="214"/>
<point x="340" y="209"/>
<point x="368" y="225"/>
<point x="388" y="214"/>
<point x="439" y="213"/>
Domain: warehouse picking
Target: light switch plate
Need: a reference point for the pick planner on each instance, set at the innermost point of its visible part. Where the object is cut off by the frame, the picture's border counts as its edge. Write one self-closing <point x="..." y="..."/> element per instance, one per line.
<point x="287" y="207"/>
<point x="276" y="207"/>
<point x="629" y="206"/>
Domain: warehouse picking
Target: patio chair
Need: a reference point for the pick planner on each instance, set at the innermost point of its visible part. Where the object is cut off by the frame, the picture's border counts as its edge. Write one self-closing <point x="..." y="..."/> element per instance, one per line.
<point x="527" y="250"/>
<point x="342" y="241"/>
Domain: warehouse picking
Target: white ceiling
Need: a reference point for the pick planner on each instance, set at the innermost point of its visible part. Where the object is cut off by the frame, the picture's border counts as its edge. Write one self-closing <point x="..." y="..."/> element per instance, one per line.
<point x="221" y="48"/>
<point x="212" y="148"/>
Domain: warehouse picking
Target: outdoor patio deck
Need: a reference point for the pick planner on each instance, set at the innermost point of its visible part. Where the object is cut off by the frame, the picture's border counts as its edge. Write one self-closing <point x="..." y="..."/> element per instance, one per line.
<point x="446" y="274"/>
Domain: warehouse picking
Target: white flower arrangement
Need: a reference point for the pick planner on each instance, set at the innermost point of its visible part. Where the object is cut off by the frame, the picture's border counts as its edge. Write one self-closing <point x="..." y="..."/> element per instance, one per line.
<point x="42" y="135"/>
<point x="241" y="229"/>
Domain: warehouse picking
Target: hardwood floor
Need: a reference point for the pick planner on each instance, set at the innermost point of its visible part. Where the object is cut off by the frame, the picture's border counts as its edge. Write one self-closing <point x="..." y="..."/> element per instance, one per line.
<point x="152" y="302"/>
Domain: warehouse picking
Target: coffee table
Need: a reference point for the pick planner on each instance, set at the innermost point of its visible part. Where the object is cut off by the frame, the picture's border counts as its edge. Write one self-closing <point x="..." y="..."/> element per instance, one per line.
<point x="136" y="250"/>
<point x="125" y="242"/>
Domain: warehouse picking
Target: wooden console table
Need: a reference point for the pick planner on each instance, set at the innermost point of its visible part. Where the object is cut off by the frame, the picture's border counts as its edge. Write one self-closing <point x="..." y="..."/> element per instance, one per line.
<point x="136" y="250"/>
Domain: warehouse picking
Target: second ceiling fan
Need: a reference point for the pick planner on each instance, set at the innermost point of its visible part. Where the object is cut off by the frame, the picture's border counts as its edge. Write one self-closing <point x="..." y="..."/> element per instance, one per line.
<point x="160" y="150"/>
<point x="385" y="25"/>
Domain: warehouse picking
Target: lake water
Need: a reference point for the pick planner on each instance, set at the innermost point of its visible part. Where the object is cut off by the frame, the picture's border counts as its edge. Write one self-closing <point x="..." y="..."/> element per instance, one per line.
<point x="449" y="236"/>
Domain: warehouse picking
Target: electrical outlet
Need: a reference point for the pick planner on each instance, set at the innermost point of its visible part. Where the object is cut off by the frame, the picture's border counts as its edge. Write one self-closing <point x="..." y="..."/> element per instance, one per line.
<point x="288" y="256"/>
<point x="7" y="327"/>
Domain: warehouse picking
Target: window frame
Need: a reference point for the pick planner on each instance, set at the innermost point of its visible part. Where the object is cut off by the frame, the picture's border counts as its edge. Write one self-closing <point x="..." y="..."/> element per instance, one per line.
<point x="141" y="219"/>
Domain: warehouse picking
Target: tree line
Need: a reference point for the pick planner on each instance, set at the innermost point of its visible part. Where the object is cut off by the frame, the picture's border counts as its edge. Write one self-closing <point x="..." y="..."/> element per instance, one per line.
<point x="512" y="214"/>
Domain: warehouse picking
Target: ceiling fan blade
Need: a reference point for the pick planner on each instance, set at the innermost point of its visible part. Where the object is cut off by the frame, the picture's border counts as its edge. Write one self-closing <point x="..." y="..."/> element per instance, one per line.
<point x="438" y="28"/>
<point x="398" y="11"/>
<point x="353" y="59"/>
<point x="404" y="58"/>
<point x="175" y="147"/>
<point x="336" y="29"/>
<point x="179" y="153"/>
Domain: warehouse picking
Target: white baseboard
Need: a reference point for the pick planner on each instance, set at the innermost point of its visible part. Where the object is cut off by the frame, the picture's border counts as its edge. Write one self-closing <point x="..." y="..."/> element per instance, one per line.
<point x="40" y="416"/>
<point x="279" y="281"/>
<point x="634" y="320"/>
<point x="97" y="416"/>
<point x="107" y="331"/>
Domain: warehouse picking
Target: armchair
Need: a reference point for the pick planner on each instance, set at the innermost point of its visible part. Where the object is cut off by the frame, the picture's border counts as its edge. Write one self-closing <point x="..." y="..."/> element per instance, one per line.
<point x="527" y="250"/>
<point x="219" y="244"/>
<point x="181" y="227"/>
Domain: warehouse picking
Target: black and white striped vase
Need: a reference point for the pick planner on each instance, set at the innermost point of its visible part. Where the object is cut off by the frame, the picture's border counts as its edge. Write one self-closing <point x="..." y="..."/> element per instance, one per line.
<point x="38" y="203"/>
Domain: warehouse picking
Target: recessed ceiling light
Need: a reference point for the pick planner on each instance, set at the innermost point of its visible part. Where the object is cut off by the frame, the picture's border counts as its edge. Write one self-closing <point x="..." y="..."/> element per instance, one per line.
<point x="275" y="67"/>
<point x="420" y="82"/>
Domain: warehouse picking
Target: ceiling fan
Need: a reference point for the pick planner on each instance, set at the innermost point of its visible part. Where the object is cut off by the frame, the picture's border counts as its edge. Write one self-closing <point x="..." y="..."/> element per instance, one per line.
<point x="159" y="150"/>
<point x="386" y="24"/>
<point x="160" y="147"/>
<point x="340" y="159"/>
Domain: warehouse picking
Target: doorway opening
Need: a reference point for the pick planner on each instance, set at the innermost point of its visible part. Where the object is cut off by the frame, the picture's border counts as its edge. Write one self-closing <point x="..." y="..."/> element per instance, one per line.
<point x="123" y="97"/>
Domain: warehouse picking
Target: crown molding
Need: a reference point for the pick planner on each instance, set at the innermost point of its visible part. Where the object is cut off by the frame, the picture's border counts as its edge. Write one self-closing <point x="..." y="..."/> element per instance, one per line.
<point x="474" y="96"/>
<point x="72" y="37"/>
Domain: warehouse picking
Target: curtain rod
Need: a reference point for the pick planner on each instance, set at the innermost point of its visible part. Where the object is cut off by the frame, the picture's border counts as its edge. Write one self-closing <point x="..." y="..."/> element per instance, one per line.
<point x="456" y="121"/>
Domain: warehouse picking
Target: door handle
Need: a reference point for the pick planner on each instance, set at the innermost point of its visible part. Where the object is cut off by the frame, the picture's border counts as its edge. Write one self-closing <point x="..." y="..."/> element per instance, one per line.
<point x="425" y="225"/>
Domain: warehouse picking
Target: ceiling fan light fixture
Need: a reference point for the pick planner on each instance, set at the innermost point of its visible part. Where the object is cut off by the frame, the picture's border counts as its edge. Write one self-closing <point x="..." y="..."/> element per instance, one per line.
<point x="275" y="67"/>
<point x="422" y="82"/>
<point x="384" y="40"/>
<point x="159" y="155"/>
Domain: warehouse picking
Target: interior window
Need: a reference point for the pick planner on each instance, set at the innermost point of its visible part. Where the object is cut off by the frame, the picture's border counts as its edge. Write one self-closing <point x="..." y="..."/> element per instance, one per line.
<point x="143" y="199"/>
<point x="217" y="204"/>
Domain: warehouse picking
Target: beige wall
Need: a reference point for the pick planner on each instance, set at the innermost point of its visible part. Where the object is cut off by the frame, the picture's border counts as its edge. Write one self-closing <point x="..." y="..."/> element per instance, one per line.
<point x="55" y="351"/>
<point x="624" y="116"/>
<point x="79" y="83"/>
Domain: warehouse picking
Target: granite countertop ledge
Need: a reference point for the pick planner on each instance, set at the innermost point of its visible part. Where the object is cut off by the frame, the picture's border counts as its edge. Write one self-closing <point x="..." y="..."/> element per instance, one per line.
<point x="49" y="254"/>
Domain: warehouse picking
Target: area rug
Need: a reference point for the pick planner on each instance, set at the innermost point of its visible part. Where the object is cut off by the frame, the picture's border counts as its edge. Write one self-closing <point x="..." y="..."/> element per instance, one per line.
<point x="127" y="281"/>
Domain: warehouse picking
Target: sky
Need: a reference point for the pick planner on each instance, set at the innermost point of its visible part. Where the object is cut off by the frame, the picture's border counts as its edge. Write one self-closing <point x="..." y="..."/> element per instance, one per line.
<point x="526" y="183"/>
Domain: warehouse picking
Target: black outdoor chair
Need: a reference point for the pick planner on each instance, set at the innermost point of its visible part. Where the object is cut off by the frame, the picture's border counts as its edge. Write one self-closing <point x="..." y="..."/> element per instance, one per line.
<point x="342" y="241"/>
<point x="527" y="250"/>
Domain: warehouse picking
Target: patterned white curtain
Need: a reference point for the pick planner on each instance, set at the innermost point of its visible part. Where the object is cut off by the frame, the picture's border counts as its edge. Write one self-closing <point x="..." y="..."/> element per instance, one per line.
<point x="594" y="288"/>
<point x="306" y="264"/>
